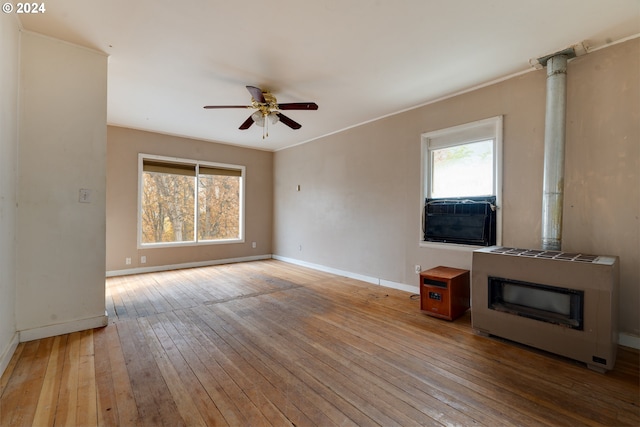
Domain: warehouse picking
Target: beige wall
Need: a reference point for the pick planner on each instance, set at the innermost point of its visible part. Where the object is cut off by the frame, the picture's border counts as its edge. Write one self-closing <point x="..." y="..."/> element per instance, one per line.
<point x="9" y="80"/>
<point x="122" y="193"/>
<point x="359" y="205"/>
<point x="62" y="148"/>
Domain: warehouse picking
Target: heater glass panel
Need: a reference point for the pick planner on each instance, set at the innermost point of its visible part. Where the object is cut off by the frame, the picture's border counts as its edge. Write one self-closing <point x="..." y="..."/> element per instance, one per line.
<point x="545" y="303"/>
<point x="540" y="299"/>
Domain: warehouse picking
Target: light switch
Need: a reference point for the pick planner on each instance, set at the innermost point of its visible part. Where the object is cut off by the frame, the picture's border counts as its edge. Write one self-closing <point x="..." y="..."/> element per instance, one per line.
<point x="84" y="195"/>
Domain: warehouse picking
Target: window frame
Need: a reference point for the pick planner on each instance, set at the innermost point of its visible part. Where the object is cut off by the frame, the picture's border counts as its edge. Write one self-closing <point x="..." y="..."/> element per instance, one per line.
<point x="197" y="163"/>
<point x="480" y="130"/>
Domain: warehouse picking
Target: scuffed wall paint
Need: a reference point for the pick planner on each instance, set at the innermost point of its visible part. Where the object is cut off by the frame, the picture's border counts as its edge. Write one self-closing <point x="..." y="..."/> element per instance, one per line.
<point x="62" y="136"/>
<point x="359" y="208"/>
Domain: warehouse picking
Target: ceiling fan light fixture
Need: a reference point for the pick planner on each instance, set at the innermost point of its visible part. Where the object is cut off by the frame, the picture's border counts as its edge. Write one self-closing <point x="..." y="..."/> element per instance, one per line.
<point x="260" y="118"/>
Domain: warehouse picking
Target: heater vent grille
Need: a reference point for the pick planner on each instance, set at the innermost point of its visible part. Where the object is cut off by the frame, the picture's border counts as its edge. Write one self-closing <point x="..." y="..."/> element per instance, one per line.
<point x="566" y="256"/>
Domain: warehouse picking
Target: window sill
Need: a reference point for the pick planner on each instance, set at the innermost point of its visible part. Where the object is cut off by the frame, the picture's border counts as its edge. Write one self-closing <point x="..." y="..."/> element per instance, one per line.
<point x="449" y="246"/>
<point x="183" y="244"/>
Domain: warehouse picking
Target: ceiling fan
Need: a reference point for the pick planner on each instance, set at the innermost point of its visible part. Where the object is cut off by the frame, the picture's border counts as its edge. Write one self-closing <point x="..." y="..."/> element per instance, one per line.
<point x="268" y="109"/>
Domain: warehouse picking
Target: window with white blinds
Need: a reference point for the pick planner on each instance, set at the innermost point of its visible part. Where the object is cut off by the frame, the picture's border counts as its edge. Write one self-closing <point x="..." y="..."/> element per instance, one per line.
<point x="184" y="202"/>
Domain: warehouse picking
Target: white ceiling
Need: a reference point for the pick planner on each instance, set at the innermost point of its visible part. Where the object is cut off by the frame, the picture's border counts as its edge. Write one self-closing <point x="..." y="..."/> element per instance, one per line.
<point x="359" y="60"/>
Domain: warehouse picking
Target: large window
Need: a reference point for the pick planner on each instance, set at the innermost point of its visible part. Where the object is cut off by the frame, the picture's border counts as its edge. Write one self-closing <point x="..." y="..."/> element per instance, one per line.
<point x="186" y="202"/>
<point x="461" y="170"/>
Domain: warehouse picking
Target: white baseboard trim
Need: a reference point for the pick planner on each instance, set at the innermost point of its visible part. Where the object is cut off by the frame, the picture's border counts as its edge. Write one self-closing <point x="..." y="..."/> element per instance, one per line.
<point x="629" y="340"/>
<point x="400" y="286"/>
<point x="140" y="270"/>
<point x="356" y="276"/>
<point x="64" y="328"/>
<point x="7" y="352"/>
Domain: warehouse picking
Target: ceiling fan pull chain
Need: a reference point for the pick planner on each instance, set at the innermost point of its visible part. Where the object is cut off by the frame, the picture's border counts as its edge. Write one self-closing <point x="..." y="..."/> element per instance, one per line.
<point x="265" y="129"/>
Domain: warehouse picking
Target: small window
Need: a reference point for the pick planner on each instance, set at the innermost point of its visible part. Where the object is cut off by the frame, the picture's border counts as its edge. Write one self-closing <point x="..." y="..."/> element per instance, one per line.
<point x="186" y="202"/>
<point x="461" y="172"/>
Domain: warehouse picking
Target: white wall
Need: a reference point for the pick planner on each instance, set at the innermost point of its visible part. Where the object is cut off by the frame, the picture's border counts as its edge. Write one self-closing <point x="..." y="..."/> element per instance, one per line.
<point x="61" y="242"/>
<point x="9" y="79"/>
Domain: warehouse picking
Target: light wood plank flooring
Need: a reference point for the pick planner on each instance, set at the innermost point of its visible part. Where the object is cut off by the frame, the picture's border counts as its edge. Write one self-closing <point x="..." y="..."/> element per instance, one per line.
<point x="272" y="344"/>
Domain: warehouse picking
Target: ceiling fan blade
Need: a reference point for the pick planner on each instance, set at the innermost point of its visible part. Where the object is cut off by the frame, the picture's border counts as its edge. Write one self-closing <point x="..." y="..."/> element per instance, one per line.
<point x="256" y="93"/>
<point x="226" y="106"/>
<point x="298" y="106"/>
<point x="287" y="121"/>
<point x="247" y="123"/>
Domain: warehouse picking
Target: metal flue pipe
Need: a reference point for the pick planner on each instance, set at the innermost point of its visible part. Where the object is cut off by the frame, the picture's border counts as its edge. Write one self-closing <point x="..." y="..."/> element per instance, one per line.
<point x="554" y="142"/>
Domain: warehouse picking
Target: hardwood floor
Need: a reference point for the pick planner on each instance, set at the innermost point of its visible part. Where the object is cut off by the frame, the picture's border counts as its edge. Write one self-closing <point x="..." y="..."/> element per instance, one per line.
<point x="272" y="344"/>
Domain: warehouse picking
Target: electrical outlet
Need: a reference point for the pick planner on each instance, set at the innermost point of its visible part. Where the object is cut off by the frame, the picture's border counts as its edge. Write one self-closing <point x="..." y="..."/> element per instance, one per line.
<point x="143" y="259"/>
<point x="127" y="261"/>
<point x="418" y="269"/>
<point x="253" y="245"/>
